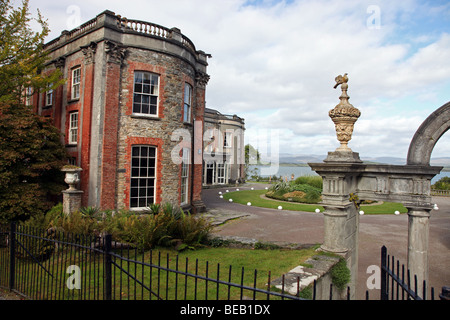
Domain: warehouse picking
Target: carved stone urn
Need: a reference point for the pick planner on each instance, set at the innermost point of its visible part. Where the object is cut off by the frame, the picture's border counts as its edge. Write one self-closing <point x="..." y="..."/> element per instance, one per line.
<point x="344" y="116"/>
<point x="72" y="177"/>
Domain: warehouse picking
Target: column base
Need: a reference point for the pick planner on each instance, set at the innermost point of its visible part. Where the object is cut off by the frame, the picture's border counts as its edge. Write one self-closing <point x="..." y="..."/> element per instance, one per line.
<point x="198" y="206"/>
<point x="343" y="156"/>
<point x="339" y="251"/>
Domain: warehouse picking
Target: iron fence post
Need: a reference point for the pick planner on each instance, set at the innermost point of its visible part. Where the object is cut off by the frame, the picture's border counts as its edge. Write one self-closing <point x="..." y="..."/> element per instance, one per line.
<point x="384" y="293"/>
<point x="12" y="256"/>
<point x="445" y="295"/>
<point x="108" y="268"/>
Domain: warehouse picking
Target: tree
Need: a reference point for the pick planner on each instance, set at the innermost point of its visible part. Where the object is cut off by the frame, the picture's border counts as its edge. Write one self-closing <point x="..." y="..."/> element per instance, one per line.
<point x="22" y="54"/>
<point x="442" y="184"/>
<point x="31" y="149"/>
<point x="252" y="156"/>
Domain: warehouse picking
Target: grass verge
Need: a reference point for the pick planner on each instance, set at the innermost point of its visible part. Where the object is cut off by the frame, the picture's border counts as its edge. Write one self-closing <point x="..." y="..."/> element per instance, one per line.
<point x="254" y="197"/>
<point x="212" y="263"/>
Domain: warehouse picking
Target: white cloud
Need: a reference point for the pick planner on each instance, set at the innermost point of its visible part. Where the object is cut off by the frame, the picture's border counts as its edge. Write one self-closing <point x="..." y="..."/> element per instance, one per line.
<point x="274" y="64"/>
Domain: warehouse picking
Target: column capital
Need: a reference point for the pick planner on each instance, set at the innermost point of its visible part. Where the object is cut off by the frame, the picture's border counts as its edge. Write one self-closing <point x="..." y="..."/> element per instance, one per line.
<point x="336" y="210"/>
<point x="416" y="211"/>
<point x="89" y="52"/>
<point x="115" y="52"/>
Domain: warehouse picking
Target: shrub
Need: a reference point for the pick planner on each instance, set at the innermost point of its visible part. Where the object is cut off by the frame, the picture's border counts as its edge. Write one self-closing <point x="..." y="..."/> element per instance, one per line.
<point x="170" y="227"/>
<point x="142" y="231"/>
<point x="41" y="225"/>
<point x="45" y="220"/>
<point x="442" y="184"/>
<point x="340" y="274"/>
<point x="155" y="208"/>
<point x="167" y="225"/>
<point x="76" y="223"/>
<point x="314" y="181"/>
<point x="282" y="189"/>
<point x="304" y="187"/>
<point x="92" y="212"/>
<point x="190" y="231"/>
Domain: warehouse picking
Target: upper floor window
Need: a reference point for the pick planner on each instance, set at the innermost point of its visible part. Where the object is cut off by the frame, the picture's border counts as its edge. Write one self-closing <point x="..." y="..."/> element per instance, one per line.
<point x="187" y="102"/>
<point x="73" y="128"/>
<point x="49" y="96"/>
<point x="28" y="96"/>
<point x="76" y="80"/>
<point x="227" y="139"/>
<point x="145" y="97"/>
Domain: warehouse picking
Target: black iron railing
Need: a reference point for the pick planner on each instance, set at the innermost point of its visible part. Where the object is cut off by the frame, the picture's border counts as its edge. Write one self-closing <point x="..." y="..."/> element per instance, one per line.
<point x="44" y="264"/>
<point x="51" y="265"/>
<point x="397" y="283"/>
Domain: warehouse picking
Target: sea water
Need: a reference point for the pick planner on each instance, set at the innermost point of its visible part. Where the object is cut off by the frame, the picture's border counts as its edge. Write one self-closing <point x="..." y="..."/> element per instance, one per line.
<point x="298" y="171"/>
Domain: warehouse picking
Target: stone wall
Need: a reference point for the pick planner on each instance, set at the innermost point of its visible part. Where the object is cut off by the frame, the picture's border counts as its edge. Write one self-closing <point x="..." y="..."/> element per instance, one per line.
<point x="155" y="131"/>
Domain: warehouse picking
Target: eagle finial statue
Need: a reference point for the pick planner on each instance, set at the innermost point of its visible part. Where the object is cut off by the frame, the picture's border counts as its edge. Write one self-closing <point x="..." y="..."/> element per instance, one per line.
<point x="340" y="80"/>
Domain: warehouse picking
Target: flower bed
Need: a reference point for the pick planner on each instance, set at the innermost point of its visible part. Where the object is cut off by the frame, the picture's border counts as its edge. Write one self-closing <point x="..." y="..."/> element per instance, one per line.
<point x="294" y="192"/>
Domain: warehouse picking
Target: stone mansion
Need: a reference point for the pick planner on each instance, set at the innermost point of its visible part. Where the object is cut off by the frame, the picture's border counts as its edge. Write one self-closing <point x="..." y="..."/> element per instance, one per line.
<point x="132" y="112"/>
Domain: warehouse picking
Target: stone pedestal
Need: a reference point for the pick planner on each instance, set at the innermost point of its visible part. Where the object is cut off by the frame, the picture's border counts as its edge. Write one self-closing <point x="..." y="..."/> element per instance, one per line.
<point x="71" y="201"/>
<point x="343" y="156"/>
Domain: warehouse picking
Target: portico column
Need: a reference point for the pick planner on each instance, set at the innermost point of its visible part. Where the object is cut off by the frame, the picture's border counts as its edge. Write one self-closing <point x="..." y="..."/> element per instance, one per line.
<point x="341" y="218"/>
<point x="418" y="231"/>
<point x="334" y="220"/>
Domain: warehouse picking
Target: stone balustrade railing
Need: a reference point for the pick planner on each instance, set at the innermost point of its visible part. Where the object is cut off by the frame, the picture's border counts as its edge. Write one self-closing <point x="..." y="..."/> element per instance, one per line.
<point x="154" y="29"/>
<point x="67" y="35"/>
<point x="445" y="193"/>
<point x="144" y="27"/>
<point x="108" y="18"/>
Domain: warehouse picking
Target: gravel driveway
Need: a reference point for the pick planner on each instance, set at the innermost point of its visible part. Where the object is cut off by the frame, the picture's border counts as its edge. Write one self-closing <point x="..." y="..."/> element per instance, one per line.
<point x="307" y="228"/>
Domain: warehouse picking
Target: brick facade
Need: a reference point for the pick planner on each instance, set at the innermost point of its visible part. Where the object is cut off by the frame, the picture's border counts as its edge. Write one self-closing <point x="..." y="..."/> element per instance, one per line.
<point x="110" y="51"/>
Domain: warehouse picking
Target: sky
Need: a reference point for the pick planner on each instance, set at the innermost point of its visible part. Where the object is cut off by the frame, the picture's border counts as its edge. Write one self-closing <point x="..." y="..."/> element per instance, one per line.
<point x="274" y="63"/>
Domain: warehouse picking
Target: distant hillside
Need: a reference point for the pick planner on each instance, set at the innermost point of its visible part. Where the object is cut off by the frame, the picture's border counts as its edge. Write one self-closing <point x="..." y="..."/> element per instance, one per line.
<point x="300" y="159"/>
<point x="286" y="158"/>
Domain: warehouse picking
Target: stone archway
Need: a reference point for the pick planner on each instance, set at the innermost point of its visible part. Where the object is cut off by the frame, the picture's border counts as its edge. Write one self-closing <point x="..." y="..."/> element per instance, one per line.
<point x="346" y="179"/>
<point x="427" y="135"/>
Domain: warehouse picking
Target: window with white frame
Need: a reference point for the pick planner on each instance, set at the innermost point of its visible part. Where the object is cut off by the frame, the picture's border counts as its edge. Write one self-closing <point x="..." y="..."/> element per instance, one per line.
<point x="143" y="176"/>
<point x="145" y="93"/>
<point x="209" y="142"/>
<point x="49" y="95"/>
<point x="28" y="96"/>
<point x="76" y="80"/>
<point x="187" y="102"/>
<point x="73" y="128"/>
<point x="227" y="139"/>
<point x="185" y="175"/>
<point x="221" y="173"/>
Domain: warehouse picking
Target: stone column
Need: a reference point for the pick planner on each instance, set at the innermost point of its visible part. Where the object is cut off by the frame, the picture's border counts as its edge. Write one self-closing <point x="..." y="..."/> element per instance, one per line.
<point x="341" y="218"/>
<point x="334" y="221"/>
<point x="418" y="231"/>
<point x="115" y="54"/>
<point x="201" y="80"/>
<point x="339" y="173"/>
<point x="86" y="116"/>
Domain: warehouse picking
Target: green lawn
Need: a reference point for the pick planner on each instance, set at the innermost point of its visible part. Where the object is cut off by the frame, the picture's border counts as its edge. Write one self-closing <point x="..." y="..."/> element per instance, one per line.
<point x="207" y="262"/>
<point x="254" y="197"/>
